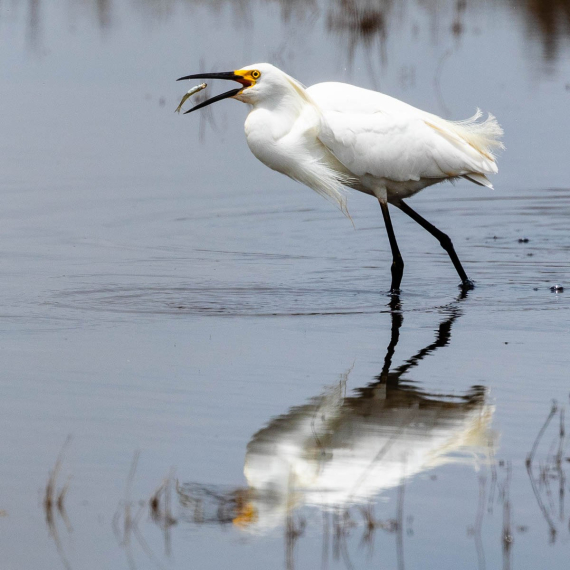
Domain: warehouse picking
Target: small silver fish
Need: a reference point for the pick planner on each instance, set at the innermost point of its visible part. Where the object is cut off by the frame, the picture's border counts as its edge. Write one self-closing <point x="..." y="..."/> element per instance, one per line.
<point x="189" y="94"/>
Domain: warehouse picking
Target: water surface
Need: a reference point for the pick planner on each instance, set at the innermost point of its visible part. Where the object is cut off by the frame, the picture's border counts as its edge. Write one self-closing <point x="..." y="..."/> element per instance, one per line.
<point x="218" y="342"/>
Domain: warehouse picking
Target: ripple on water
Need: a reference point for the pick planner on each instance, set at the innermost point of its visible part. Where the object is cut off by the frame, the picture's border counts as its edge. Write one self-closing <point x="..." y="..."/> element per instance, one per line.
<point x="219" y="300"/>
<point x="513" y="257"/>
<point x="266" y="301"/>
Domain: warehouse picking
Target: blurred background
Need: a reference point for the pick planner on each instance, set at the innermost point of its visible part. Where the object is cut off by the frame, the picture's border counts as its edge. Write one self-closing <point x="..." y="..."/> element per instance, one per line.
<point x="172" y="311"/>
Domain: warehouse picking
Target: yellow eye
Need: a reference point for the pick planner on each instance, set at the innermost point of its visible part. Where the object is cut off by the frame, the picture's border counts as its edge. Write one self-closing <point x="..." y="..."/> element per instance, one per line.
<point x="255" y="74"/>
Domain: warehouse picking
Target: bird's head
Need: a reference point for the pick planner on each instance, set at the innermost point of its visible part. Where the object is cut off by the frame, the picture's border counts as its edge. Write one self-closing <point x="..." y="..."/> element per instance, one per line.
<point x="261" y="81"/>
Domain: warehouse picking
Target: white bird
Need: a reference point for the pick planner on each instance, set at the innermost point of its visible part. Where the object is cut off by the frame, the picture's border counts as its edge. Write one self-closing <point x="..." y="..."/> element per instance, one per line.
<point x="333" y="135"/>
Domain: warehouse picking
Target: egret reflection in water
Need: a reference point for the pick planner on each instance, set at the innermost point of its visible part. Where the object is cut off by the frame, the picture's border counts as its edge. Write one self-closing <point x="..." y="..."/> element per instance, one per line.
<point x="342" y="450"/>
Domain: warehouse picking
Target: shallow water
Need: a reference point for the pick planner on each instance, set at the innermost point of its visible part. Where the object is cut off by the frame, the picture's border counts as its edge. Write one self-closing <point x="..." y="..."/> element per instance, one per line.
<point x="182" y="312"/>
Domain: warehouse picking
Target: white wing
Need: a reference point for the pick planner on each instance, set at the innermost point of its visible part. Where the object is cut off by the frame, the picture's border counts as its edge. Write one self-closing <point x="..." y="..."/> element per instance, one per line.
<point x="374" y="134"/>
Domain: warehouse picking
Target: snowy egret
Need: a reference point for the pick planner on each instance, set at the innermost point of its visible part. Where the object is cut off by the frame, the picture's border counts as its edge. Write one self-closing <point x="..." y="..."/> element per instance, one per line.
<point x="333" y="135"/>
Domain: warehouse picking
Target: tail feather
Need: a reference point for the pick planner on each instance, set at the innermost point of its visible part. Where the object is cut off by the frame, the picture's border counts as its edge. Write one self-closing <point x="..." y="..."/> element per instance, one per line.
<point x="484" y="136"/>
<point x="478" y="178"/>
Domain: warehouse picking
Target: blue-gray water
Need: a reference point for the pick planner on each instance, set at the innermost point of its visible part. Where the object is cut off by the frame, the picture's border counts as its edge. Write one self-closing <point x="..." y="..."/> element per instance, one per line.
<point x="165" y="296"/>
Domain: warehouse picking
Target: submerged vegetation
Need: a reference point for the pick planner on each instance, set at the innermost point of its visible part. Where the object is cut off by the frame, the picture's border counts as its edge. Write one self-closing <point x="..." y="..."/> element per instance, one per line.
<point x="360" y="22"/>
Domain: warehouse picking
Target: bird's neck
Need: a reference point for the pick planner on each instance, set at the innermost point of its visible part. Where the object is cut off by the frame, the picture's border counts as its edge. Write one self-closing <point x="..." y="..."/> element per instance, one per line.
<point x="276" y="116"/>
<point x="287" y="104"/>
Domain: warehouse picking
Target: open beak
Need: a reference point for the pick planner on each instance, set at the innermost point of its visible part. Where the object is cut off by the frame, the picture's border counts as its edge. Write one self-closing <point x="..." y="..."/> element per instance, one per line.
<point x="223" y="75"/>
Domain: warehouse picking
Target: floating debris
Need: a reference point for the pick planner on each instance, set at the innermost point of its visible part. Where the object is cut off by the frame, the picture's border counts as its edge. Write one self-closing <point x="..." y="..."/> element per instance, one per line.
<point x="191" y="92"/>
<point x="557" y="288"/>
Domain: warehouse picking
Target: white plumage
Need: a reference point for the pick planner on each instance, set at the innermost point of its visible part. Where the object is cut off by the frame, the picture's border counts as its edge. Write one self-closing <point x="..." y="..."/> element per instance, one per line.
<point x="396" y="143"/>
<point x="333" y="135"/>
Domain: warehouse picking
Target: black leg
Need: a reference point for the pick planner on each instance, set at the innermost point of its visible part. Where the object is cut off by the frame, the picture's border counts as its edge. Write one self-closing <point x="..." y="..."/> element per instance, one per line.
<point x="397" y="261"/>
<point x="443" y="239"/>
<point x="397" y="319"/>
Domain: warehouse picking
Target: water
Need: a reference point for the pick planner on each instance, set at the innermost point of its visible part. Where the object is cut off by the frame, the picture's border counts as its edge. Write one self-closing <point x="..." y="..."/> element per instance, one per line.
<point x="182" y="312"/>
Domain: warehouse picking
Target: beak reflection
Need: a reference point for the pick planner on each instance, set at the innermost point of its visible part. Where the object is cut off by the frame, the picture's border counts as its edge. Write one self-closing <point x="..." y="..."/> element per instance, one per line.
<point x="228" y="75"/>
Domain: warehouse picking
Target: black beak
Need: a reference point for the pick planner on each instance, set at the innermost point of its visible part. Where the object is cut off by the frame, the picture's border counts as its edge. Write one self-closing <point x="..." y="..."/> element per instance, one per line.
<point x="223" y="75"/>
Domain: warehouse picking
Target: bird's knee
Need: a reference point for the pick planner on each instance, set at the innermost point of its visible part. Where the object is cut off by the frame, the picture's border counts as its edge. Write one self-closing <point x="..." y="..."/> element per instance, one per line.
<point x="397" y="265"/>
<point x="445" y="242"/>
